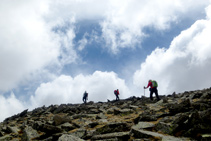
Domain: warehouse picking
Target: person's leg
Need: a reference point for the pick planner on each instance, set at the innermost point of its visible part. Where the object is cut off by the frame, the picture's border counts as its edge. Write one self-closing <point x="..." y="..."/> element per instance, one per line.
<point x="117" y="97"/>
<point x="156" y="93"/>
<point x="84" y="99"/>
<point x="151" y="92"/>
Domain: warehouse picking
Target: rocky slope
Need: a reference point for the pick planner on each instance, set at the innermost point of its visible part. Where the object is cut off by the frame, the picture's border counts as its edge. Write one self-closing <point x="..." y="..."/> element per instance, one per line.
<point x="184" y="116"/>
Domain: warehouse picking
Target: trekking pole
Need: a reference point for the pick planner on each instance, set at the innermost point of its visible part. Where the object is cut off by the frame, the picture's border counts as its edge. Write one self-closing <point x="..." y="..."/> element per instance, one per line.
<point x="144" y="92"/>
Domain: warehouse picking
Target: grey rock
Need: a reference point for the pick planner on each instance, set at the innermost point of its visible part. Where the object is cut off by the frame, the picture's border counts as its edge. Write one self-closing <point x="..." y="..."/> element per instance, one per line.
<point x="146" y="117"/>
<point x="167" y="128"/>
<point x="60" y="120"/>
<point x="13" y="129"/>
<point x="101" y="116"/>
<point x="94" y="111"/>
<point x="29" y="133"/>
<point x="206" y="96"/>
<point x="1" y="134"/>
<point x="143" y="125"/>
<point x="133" y="107"/>
<point x="50" y="129"/>
<point x="165" y="99"/>
<point x="22" y="114"/>
<point x="172" y="125"/>
<point x="67" y="126"/>
<point x="76" y="116"/>
<point x="80" y="133"/>
<point x="155" y="136"/>
<point x="60" y="109"/>
<point x="119" y="136"/>
<point x="184" y="106"/>
<point x="111" y="110"/>
<point x="68" y="137"/>
<point x="93" y="124"/>
<point x="196" y="95"/>
<point x="205" y="137"/>
<point x="6" y="138"/>
<point x="113" y="127"/>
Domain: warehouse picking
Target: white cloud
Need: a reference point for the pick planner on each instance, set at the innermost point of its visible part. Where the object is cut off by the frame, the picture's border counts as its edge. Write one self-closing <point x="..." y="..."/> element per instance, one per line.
<point x="208" y="11"/>
<point x="81" y="9"/>
<point x="122" y="22"/>
<point x="35" y="34"/>
<point x="28" y="42"/>
<point x="125" y="20"/>
<point x="67" y="54"/>
<point x="65" y="89"/>
<point x="10" y="106"/>
<point x="83" y="42"/>
<point x="184" y="66"/>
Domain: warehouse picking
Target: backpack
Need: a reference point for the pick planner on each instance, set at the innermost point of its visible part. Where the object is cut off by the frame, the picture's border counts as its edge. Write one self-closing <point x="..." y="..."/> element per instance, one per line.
<point x="115" y="92"/>
<point x="154" y="83"/>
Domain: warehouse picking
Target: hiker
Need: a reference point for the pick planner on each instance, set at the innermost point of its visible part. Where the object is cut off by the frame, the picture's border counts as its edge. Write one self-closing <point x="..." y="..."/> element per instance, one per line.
<point x="85" y="97"/>
<point x="153" y="89"/>
<point x="116" y="92"/>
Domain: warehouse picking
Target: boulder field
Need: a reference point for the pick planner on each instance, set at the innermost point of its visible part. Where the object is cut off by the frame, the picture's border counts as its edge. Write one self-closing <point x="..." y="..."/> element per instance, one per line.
<point x="176" y="117"/>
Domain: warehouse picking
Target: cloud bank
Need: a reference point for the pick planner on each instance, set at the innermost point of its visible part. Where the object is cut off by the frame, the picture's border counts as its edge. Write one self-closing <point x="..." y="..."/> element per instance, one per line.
<point x="185" y="65"/>
<point x="10" y="106"/>
<point x="65" y="89"/>
<point x="125" y="21"/>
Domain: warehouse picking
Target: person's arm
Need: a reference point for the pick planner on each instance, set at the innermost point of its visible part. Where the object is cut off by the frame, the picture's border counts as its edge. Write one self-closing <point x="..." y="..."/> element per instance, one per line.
<point x="148" y="85"/>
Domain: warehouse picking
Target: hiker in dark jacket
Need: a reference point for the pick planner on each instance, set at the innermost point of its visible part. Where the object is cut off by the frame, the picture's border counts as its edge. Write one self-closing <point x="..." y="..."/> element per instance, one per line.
<point x="116" y="92"/>
<point x="85" y="97"/>
<point x="153" y="89"/>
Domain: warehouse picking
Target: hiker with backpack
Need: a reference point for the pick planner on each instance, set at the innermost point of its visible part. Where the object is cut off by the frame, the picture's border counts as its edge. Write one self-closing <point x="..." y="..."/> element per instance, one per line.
<point x="116" y="92"/>
<point x="85" y="97"/>
<point x="153" y="89"/>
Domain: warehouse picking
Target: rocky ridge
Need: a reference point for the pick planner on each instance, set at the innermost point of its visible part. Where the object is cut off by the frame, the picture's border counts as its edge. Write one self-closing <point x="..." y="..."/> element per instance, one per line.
<point x="184" y="116"/>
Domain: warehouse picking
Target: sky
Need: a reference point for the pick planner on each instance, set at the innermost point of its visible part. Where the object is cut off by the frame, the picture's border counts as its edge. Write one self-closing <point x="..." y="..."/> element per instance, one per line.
<point x="53" y="51"/>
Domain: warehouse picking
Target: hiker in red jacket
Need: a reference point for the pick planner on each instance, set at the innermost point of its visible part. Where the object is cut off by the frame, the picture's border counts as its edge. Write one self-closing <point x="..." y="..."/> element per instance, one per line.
<point x="153" y="89"/>
<point x="116" y="92"/>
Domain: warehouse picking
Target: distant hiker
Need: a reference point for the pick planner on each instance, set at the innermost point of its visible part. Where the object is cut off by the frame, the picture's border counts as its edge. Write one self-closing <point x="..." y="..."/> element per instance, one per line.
<point x="85" y="97"/>
<point x="116" y="92"/>
<point x="153" y="89"/>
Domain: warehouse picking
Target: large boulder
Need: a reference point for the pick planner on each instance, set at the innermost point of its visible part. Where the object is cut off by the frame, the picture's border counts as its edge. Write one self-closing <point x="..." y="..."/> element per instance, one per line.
<point x="199" y="123"/>
<point x="172" y="124"/>
<point x="60" y="119"/>
<point x="184" y="106"/>
<point x="29" y="133"/>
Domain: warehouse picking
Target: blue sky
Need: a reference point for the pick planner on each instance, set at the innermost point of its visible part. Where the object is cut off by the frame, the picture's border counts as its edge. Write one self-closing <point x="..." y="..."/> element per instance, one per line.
<point x="51" y="52"/>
